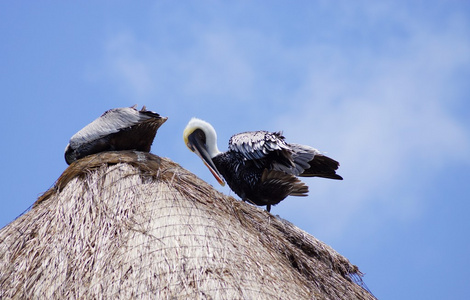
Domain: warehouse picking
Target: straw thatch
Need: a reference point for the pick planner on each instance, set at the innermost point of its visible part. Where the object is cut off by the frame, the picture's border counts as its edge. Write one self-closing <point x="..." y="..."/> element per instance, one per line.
<point x="133" y="225"/>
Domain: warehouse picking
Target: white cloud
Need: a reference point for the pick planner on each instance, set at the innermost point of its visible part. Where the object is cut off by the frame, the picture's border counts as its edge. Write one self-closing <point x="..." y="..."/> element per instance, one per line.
<point x="128" y="63"/>
<point x="380" y="105"/>
<point x="389" y="124"/>
<point x="212" y="65"/>
<point x="217" y="66"/>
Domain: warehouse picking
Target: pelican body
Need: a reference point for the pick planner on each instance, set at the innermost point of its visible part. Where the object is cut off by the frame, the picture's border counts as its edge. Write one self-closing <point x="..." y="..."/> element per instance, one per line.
<point x="117" y="129"/>
<point x="259" y="166"/>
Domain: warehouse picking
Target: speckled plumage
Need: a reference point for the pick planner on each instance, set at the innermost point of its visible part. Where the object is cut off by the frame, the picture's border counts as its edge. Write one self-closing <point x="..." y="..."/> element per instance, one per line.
<point x="261" y="167"/>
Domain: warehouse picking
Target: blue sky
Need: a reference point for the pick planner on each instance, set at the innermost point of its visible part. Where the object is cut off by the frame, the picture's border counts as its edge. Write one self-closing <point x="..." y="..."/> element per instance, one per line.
<point x="381" y="87"/>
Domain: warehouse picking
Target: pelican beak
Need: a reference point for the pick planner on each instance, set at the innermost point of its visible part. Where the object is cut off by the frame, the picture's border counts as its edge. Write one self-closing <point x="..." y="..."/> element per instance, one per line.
<point x="196" y="145"/>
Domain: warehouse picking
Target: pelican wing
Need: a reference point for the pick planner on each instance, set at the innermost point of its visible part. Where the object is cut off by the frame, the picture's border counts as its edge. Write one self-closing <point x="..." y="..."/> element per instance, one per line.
<point x="265" y="149"/>
<point x="302" y="155"/>
<point x="110" y="122"/>
<point x="269" y="150"/>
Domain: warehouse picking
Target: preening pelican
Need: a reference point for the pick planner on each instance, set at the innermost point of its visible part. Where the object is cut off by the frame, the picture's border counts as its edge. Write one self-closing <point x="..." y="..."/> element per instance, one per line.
<point x="117" y="129"/>
<point x="259" y="166"/>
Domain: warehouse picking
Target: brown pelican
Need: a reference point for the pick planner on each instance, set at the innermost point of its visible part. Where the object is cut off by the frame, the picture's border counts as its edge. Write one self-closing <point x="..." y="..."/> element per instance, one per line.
<point x="259" y="166"/>
<point x="117" y="129"/>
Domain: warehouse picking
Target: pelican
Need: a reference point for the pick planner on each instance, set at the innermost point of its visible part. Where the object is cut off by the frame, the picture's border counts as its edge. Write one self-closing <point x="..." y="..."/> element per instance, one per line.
<point x="259" y="166"/>
<point x="117" y="129"/>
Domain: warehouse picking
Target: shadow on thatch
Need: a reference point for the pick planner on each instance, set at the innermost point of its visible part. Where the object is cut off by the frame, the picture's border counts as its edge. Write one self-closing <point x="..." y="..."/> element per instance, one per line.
<point x="133" y="225"/>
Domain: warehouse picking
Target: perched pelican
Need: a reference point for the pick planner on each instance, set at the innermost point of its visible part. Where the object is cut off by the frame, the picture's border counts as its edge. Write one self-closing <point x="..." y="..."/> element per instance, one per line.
<point x="117" y="129"/>
<point x="259" y="166"/>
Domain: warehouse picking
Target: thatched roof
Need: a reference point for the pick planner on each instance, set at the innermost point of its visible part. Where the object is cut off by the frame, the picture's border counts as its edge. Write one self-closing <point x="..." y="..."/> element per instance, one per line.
<point x="133" y="225"/>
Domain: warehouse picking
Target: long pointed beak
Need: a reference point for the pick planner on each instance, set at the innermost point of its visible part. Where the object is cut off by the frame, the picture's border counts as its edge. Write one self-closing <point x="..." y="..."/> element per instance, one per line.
<point x="197" y="147"/>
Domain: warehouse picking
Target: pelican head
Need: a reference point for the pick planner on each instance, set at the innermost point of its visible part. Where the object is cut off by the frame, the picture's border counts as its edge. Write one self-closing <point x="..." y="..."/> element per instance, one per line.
<point x="200" y="137"/>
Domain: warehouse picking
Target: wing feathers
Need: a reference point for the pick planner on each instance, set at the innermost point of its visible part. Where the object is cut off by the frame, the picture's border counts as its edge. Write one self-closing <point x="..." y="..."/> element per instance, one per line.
<point x="259" y="146"/>
<point x="269" y="150"/>
<point x="322" y="166"/>
<point x="285" y="184"/>
<point x="110" y="122"/>
<point x="117" y="129"/>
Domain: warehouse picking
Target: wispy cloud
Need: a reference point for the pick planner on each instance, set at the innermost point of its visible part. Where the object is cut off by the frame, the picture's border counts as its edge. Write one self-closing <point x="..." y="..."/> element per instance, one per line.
<point x="213" y="65"/>
<point x="129" y="63"/>
<point x="388" y="121"/>
<point x="377" y="100"/>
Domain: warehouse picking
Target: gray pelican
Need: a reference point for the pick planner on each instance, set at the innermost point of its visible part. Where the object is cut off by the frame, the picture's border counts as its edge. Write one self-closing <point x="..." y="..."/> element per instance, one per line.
<point x="117" y="129"/>
<point x="259" y="166"/>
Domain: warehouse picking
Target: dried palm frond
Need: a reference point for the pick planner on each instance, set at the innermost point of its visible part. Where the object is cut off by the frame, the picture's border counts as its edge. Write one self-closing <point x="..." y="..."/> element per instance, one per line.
<point x="132" y="225"/>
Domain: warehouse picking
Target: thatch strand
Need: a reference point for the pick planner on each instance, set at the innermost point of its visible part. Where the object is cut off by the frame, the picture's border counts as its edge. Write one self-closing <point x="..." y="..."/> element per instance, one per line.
<point x="133" y="225"/>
